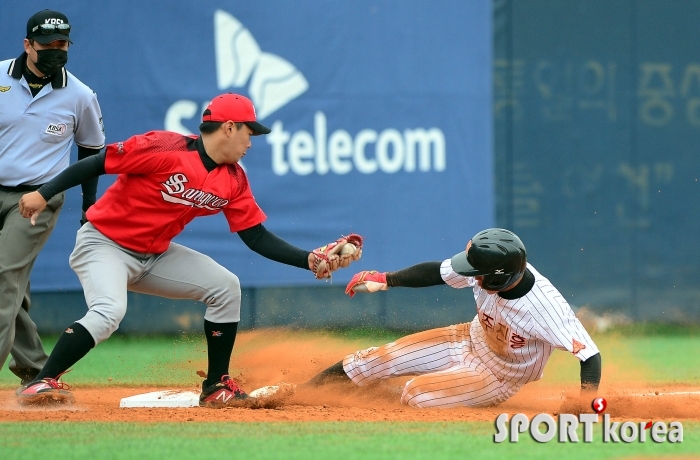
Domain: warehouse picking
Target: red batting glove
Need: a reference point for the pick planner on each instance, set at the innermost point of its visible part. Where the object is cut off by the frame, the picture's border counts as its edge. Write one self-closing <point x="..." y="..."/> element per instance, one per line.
<point x="367" y="281"/>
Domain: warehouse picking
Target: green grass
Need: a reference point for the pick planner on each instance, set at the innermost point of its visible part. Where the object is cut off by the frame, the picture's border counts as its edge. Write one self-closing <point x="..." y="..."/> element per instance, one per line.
<point x="658" y="355"/>
<point x="667" y="355"/>
<point x="370" y="334"/>
<point x="654" y="359"/>
<point x="145" y="360"/>
<point x="670" y="359"/>
<point x="132" y="361"/>
<point x="656" y="329"/>
<point x="339" y="440"/>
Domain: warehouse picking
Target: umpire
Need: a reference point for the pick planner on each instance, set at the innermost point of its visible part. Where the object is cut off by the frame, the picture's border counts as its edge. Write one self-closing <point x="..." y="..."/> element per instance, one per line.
<point x="43" y="110"/>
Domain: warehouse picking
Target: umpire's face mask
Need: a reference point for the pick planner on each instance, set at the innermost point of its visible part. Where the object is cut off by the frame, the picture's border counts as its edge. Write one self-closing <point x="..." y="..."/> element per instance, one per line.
<point x="50" y="61"/>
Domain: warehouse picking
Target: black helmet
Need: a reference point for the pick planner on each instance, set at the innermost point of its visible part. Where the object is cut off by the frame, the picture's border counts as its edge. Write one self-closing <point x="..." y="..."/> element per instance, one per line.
<point x="496" y="254"/>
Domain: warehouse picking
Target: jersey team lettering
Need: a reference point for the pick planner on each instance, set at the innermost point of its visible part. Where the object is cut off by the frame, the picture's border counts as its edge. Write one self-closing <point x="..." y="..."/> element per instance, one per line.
<point x="497" y="335"/>
<point x="175" y="185"/>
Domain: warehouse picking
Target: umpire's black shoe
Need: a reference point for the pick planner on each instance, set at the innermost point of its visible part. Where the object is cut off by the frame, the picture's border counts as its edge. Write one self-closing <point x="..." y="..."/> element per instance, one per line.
<point x="27" y="376"/>
<point x="225" y="393"/>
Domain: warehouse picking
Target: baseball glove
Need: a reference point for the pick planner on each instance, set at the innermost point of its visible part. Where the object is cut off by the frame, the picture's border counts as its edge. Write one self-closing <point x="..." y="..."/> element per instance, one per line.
<point x="367" y="281"/>
<point x="335" y="255"/>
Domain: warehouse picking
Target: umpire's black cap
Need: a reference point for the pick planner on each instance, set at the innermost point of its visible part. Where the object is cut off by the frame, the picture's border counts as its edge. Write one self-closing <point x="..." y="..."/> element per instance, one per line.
<point x="47" y="26"/>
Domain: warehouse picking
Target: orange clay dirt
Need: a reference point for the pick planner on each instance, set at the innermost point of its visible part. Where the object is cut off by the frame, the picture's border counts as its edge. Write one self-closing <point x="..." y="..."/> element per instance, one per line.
<point x="269" y="357"/>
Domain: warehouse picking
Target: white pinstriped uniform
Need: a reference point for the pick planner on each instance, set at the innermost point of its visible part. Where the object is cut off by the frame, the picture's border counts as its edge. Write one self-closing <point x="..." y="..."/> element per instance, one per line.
<point x="484" y="362"/>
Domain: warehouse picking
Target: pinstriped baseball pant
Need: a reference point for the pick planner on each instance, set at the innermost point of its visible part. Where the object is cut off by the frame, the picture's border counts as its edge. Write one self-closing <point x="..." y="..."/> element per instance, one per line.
<point x="107" y="270"/>
<point x="449" y="375"/>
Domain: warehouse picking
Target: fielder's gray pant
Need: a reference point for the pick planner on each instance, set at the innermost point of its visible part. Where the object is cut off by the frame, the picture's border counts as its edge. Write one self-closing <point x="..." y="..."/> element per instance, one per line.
<point x="107" y="271"/>
<point x="20" y="243"/>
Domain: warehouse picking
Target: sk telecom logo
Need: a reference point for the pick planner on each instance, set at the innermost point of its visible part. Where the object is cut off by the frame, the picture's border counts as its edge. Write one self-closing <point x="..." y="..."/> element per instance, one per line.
<point x="272" y="82"/>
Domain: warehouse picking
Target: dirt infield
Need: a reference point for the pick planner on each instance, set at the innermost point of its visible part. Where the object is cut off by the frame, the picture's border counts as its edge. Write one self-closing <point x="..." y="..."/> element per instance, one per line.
<point x="349" y="404"/>
<point x="264" y="360"/>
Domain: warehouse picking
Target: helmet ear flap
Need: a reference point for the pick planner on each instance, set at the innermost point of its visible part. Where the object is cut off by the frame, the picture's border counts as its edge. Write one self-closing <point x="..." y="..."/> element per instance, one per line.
<point x="496" y="282"/>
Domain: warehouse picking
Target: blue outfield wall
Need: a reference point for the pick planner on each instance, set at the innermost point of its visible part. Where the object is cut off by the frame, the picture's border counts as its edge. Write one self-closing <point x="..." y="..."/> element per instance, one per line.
<point x="376" y="130"/>
<point x="381" y="124"/>
<point x="597" y="127"/>
<point x="297" y="307"/>
<point x="576" y="124"/>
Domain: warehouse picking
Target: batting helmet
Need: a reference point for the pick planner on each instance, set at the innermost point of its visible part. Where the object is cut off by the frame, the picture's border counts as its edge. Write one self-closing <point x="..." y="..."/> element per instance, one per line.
<point x="496" y="254"/>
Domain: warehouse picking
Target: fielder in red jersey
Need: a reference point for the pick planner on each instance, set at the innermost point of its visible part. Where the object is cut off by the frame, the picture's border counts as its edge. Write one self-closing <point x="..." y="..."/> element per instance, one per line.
<point x="158" y="193"/>
<point x="165" y="180"/>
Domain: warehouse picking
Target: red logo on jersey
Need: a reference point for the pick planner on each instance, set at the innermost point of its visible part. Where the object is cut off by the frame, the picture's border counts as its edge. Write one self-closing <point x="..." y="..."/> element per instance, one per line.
<point x="502" y="332"/>
<point x="487" y="320"/>
<point x="577" y="346"/>
<point x="175" y="185"/>
<point x="517" y="341"/>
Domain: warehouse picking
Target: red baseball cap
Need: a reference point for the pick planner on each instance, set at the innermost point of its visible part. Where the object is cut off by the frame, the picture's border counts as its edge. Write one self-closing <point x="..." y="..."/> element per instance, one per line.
<point x="236" y="108"/>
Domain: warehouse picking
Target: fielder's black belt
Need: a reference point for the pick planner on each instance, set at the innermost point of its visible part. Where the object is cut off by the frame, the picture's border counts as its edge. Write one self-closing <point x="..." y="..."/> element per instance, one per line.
<point x="20" y="188"/>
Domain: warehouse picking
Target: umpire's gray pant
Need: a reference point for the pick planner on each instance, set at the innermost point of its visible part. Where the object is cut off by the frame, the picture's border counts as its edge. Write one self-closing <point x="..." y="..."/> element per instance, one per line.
<point x="107" y="271"/>
<point x="20" y="243"/>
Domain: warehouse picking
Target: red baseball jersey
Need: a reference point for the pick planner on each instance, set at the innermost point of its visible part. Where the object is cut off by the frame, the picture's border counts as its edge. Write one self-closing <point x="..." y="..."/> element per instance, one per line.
<point x="162" y="186"/>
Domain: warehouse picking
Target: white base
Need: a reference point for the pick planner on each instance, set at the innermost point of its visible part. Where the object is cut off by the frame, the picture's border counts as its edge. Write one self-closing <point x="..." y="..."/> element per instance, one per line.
<point x="178" y="398"/>
<point x="166" y="398"/>
<point x="264" y="392"/>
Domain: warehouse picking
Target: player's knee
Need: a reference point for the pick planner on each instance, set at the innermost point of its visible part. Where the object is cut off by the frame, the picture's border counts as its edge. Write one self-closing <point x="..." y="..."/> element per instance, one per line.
<point x="231" y="295"/>
<point x="233" y="285"/>
<point x="228" y="292"/>
<point x="224" y="304"/>
<point x="412" y="394"/>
